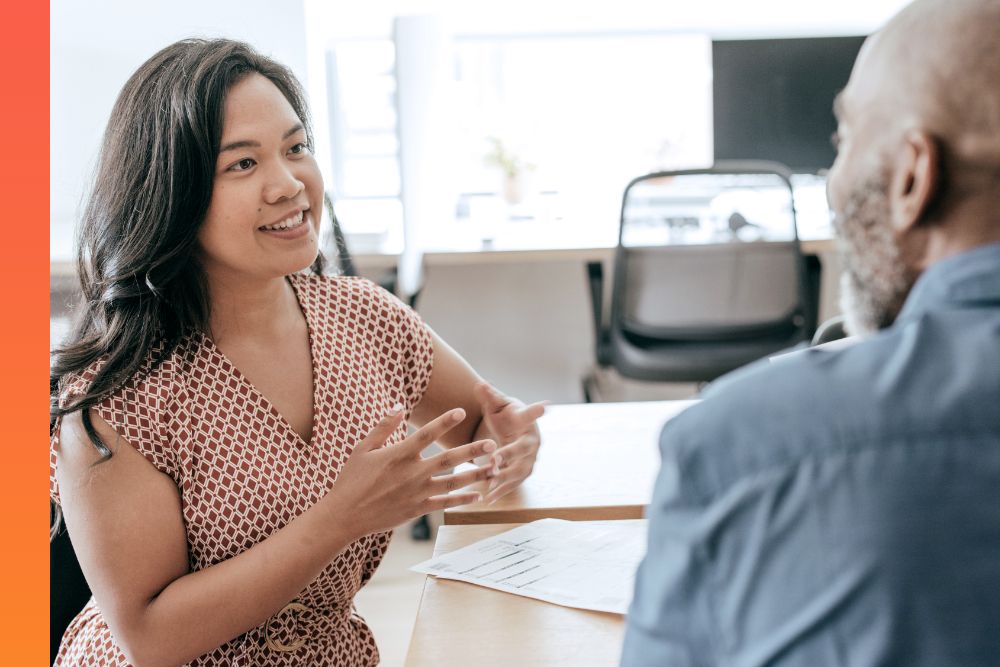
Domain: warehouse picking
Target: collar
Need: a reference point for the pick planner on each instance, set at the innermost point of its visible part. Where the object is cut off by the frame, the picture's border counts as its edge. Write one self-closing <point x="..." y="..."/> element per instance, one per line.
<point x="971" y="278"/>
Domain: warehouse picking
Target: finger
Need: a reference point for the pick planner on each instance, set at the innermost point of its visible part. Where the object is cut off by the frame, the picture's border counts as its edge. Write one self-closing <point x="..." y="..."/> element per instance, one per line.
<point x="378" y="435"/>
<point x="501" y="491"/>
<point x="497" y="462"/>
<point x="436" y="503"/>
<point x="458" y="455"/>
<point x="534" y="411"/>
<point x="519" y="449"/>
<point x="448" y="483"/>
<point x="432" y="430"/>
<point x="517" y="472"/>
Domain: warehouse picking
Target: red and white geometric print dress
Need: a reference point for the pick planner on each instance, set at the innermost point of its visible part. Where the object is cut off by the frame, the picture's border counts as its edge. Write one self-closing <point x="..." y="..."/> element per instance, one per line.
<point x="243" y="472"/>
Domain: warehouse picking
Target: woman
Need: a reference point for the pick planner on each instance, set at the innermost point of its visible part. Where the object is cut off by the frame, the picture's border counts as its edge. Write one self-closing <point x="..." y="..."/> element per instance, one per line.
<point x="219" y="417"/>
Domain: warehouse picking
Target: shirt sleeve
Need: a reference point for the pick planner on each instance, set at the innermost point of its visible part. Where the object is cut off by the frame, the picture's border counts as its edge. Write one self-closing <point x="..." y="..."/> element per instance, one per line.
<point x="418" y="356"/>
<point x="407" y="349"/>
<point x="135" y="412"/>
<point x="670" y="621"/>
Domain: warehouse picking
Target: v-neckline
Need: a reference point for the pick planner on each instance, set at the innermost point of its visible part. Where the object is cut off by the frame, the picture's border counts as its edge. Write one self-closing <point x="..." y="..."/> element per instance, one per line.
<point x="264" y="400"/>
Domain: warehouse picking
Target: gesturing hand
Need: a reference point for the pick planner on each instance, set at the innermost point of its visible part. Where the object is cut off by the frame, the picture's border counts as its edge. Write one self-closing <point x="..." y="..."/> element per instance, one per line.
<point x="512" y="425"/>
<point x="381" y="487"/>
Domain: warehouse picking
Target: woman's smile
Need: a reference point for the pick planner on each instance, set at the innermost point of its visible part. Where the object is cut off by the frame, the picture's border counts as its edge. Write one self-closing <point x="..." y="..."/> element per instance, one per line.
<point x="292" y="227"/>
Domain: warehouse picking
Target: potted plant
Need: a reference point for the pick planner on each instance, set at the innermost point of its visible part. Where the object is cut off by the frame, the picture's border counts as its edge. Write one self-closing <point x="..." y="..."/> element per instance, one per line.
<point x="513" y="169"/>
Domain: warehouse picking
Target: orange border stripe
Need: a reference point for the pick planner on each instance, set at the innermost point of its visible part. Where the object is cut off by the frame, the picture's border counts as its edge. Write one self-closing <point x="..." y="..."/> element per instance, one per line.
<point x="24" y="261"/>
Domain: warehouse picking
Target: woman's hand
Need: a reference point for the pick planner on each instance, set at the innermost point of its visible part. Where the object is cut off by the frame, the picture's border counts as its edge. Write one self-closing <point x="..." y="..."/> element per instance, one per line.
<point x="381" y="487"/>
<point x="513" y="427"/>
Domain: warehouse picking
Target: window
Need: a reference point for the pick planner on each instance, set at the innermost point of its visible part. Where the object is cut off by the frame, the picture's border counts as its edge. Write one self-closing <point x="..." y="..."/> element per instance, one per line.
<point x="582" y="114"/>
<point x="586" y="114"/>
<point x="365" y="147"/>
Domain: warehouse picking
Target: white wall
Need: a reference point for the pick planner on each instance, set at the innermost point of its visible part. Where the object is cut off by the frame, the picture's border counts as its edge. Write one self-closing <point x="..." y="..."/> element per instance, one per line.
<point x="96" y="45"/>
<point x="719" y="18"/>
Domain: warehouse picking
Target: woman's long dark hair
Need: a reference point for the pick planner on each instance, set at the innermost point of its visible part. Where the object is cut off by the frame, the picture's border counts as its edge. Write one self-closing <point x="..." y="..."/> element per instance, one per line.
<point x="142" y="287"/>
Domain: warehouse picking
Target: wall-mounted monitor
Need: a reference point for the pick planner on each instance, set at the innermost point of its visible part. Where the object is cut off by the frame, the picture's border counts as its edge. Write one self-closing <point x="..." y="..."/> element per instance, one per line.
<point x="773" y="98"/>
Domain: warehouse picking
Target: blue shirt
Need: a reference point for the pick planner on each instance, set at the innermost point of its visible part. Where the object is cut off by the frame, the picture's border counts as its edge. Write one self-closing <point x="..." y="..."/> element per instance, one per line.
<point x="838" y="508"/>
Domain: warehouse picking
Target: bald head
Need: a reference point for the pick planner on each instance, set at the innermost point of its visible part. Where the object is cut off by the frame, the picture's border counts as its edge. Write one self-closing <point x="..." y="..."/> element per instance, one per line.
<point x="936" y="67"/>
<point x="917" y="175"/>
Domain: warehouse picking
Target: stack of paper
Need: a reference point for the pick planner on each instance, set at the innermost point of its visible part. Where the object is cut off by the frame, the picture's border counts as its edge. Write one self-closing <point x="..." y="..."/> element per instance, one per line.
<point x="587" y="565"/>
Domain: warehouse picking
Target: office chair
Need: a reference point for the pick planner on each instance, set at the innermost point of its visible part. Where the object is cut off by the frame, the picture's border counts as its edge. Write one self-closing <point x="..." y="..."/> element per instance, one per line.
<point x="708" y="275"/>
<point x="68" y="590"/>
<point x="831" y="330"/>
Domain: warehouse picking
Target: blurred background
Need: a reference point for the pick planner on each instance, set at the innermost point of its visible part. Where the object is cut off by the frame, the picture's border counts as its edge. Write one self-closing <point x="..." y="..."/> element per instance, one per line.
<point x="445" y="129"/>
<point x="477" y="153"/>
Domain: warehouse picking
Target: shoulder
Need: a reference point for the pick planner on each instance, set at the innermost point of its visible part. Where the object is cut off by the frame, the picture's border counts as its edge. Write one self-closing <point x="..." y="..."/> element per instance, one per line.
<point x="913" y="382"/>
<point x="157" y="382"/>
<point x="136" y="410"/>
<point x="343" y="291"/>
<point x="358" y="302"/>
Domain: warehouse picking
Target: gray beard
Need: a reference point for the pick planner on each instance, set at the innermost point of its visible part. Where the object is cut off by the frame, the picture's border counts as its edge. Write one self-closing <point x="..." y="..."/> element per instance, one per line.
<point x="875" y="280"/>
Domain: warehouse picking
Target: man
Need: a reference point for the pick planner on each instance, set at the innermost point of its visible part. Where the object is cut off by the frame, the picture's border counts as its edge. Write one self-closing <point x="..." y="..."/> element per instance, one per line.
<point x="843" y="508"/>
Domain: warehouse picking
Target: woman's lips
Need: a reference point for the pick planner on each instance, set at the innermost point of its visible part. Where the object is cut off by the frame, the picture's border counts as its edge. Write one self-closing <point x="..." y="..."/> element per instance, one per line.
<point x="295" y="232"/>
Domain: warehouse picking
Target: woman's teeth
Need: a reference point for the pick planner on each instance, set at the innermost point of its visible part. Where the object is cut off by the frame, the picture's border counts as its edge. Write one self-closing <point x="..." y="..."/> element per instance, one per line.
<point x="288" y="223"/>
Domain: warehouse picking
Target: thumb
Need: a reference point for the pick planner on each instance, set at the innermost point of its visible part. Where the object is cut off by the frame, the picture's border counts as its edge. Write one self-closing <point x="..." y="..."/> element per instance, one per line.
<point x="534" y="411"/>
<point x="378" y="435"/>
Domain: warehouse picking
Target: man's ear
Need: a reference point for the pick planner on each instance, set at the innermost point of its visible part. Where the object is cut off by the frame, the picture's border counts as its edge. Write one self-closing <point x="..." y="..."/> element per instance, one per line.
<point x="916" y="181"/>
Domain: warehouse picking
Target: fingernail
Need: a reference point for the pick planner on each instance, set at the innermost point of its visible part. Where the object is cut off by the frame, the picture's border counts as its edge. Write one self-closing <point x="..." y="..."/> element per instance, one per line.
<point x="489" y="446"/>
<point x="396" y="409"/>
<point x="479" y="497"/>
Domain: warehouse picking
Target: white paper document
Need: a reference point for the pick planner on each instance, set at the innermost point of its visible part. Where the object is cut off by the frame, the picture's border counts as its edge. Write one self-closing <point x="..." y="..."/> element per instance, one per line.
<point x="587" y="565"/>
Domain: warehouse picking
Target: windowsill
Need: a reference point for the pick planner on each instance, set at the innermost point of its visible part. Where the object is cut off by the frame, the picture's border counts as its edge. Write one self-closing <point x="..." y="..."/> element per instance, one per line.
<point x="466" y="241"/>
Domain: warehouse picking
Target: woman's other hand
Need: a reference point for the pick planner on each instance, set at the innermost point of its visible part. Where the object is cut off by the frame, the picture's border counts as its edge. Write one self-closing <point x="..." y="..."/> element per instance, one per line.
<point x="513" y="426"/>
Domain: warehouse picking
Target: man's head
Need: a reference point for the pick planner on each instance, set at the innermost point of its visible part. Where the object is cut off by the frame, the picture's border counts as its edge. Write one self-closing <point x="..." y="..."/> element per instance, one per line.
<point x="917" y="175"/>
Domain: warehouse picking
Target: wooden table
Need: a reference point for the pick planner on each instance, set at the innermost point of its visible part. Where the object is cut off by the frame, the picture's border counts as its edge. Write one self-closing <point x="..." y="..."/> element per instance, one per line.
<point x="464" y="624"/>
<point x="598" y="461"/>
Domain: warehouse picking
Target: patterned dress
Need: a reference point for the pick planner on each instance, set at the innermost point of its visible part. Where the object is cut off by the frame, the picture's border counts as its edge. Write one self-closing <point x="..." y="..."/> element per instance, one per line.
<point x="243" y="472"/>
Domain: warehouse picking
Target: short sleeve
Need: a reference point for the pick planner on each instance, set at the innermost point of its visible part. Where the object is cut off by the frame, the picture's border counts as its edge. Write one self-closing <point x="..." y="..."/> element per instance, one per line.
<point x="417" y="351"/>
<point x="136" y="412"/>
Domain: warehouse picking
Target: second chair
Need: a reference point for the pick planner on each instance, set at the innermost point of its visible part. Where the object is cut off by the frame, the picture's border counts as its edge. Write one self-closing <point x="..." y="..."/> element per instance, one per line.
<point x="708" y="275"/>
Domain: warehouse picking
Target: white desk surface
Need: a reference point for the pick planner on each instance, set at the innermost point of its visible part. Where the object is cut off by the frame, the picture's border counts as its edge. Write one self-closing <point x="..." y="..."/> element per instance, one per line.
<point x="597" y="461"/>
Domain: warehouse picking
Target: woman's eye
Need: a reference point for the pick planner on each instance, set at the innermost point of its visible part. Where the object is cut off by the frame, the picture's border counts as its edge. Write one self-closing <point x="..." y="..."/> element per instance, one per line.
<point x="299" y="148"/>
<point x="243" y="165"/>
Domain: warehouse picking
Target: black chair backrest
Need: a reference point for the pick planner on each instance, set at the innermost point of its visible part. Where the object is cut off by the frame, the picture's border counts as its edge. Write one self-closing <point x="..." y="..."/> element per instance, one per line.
<point x="706" y="257"/>
<point x="708" y="292"/>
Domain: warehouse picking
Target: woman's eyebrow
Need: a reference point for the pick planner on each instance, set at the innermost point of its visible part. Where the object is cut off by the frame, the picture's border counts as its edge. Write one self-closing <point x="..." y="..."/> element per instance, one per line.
<point x="246" y="143"/>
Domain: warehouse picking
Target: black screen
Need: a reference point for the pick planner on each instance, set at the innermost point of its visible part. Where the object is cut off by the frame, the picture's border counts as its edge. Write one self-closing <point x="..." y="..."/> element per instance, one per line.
<point x="773" y="98"/>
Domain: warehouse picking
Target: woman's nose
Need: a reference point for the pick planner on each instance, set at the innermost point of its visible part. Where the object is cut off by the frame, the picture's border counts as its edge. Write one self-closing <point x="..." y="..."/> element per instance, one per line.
<point x="282" y="183"/>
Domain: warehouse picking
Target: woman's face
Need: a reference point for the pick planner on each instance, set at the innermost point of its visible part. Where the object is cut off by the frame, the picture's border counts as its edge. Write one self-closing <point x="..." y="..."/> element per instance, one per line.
<point x="263" y="220"/>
